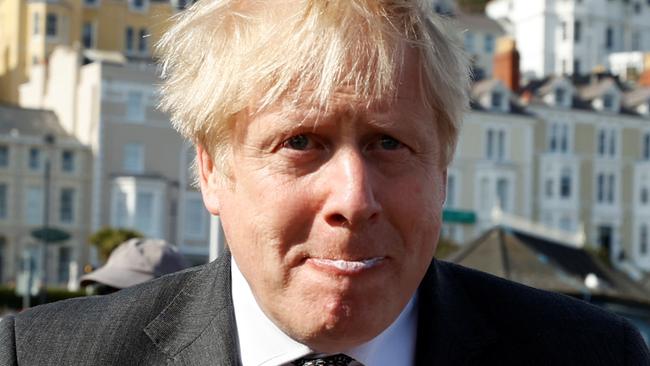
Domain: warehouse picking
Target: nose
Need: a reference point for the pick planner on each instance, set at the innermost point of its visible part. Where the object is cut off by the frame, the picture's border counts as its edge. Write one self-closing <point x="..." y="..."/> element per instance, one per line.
<point x="351" y="200"/>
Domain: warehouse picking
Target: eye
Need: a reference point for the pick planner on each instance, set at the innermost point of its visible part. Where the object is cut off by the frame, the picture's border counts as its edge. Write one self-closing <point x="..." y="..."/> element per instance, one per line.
<point x="388" y="143"/>
<point x="298" y="142"/>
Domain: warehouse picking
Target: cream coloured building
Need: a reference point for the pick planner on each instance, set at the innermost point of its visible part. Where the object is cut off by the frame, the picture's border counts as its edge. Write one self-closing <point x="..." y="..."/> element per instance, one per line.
<point x="23" y="156"/>
<point x="31" y="30"/>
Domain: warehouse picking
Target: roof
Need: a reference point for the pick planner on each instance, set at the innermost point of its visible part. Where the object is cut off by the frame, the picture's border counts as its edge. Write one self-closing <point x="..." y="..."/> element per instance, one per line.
<point x="484" y="86"/>
<point x="637" y="97"/>
<point x="30" y="122"/>
<point x="597" y="89"/>
<point x="547" y="264"/>
<point x="479" y="22"/>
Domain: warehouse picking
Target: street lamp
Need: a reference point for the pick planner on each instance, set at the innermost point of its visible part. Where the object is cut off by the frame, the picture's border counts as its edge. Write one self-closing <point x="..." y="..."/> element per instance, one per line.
<point x="49" y="140"/>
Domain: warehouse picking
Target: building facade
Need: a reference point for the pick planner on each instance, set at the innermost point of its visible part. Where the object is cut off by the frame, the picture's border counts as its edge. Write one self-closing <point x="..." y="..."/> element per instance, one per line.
<point x="30" y="141"/>
<point x="31" y="30"/>
<point x="141" y="175"/>
<point x="572" y="37"/>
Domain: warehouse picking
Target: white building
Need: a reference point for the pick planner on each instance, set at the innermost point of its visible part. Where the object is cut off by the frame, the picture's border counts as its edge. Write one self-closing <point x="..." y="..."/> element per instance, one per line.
<point x="567" y="37"/>
<point x="140" y="178"/>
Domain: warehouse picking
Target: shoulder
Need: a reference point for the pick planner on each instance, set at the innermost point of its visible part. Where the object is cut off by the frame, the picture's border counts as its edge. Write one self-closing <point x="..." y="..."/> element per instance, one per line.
<point x="542" y="322"/>
<point x="95" y="325"/>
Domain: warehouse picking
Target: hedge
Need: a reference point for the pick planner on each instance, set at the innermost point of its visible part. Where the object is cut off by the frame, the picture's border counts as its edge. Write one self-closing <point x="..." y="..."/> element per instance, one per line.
<point x="10" y="300"/>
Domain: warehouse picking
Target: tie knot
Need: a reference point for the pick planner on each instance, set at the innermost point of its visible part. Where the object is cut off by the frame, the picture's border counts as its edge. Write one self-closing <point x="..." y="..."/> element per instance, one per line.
<point x="333" y="360"/>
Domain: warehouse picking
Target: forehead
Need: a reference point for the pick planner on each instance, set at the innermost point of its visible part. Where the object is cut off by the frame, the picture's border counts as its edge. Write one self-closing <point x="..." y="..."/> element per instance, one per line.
<point x="405" y="97"/>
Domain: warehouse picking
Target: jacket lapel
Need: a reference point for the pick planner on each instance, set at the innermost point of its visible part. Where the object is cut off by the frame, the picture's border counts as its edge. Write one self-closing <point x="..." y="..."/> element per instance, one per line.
<point x="198" y="326"/>
<point x="451" y="330"/>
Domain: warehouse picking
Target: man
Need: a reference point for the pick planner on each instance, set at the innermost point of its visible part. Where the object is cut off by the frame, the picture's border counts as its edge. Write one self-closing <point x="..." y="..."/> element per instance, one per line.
<point x="323" y="132"/>
<point x="135" y="261"/>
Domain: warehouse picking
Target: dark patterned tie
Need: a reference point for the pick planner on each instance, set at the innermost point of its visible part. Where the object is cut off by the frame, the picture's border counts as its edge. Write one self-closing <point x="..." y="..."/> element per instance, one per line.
<point x="334" y="360"/>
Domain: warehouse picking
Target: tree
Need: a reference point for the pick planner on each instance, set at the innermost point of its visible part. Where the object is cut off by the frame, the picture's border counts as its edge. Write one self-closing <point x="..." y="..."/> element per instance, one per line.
<point x="106" y="239"/>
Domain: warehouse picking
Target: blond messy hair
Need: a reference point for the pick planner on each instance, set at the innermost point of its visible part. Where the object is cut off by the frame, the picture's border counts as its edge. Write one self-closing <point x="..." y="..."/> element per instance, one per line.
<point x="223" y="57"/>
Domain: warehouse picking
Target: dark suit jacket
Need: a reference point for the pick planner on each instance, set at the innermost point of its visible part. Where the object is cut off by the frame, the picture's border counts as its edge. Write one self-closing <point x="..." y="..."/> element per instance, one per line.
<point x="465" y="318"/>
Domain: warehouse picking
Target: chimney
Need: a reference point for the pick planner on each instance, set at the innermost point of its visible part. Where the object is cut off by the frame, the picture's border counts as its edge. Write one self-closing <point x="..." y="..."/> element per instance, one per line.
<point x="506" y="63"/>
<point x="644" y="78"/>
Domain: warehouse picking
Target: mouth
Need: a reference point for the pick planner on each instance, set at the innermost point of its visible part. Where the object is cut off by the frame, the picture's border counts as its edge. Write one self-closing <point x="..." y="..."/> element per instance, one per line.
<point x="346" y="266"/>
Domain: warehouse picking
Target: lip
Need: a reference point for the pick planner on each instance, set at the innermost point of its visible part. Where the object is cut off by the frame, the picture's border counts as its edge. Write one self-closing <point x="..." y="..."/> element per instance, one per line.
<point x="346" y="267"/>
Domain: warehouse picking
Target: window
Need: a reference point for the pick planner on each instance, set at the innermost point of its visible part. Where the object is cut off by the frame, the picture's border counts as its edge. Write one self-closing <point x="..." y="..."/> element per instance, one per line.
<point x="67" y="161"/>
<point x="133" y="158"/>
<point x="565" y="183"/>
<point x="128" y="39"/>
<point x="122" y="210"/>
<point x="3" y="201"/>
<point x="144" y="213"/>
<point x="137" y="4"/>
<point x="502" y="194"/>
<point x="4" y="156"/>
<point x="610" y="188"/>
<point x="469" y="42"/>
<point x="600" y="186"/>
<point x="142" y="41"/>
<point x="135" y="106"/>
<point x="606" y="186"/>
<point x="66" y="205"/>
<point x="65" y="257"/>
<point x="560" y="94"/>
<point x="548" y="187"/>
<point x="91" y="2"/>
<point x="577" y="30"/>
<point x="36" y="29"/>
<point x="34" y="205"/>
<point x="576" y="66"/>
<point x="608" y="101"/>
<point x="607" y="142"/>
<point x="87" y="35"/>
<point x="34" y="158"/>
<point x="636" y="41"/>
<point x="489" y="43"/>
<point x="195" y="218"/>
<point x="558" y="140"/>
<point x="644" y="195"/>
<point x="495" y="144"/>
<point x="643" y="239"/>
<point x="609" y="38"/>
<point x="51" y="25"/>
<point x="497" y="100"/>
<point x="563" y="30"/>
<point x="646" y="146"/>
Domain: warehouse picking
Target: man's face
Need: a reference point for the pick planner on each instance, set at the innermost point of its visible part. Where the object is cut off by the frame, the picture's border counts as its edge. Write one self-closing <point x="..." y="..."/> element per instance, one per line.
<point x="333" y="219"/>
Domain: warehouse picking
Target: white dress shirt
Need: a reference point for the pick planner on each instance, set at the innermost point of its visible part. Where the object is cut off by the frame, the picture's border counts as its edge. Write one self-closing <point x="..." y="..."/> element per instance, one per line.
<point x="262" y="343"/>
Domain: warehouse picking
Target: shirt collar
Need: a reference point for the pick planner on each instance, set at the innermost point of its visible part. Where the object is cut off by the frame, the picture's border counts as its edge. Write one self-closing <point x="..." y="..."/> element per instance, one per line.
<point x="262" y="343"/>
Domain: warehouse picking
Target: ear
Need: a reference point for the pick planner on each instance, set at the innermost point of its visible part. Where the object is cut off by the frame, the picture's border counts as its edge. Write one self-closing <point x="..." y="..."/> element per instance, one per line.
<point x="208" y="180"/>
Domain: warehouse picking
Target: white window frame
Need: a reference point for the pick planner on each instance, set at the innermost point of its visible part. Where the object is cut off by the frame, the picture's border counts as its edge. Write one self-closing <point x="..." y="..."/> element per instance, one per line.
<point x="496" y="143"/>
<point x="128" y="188"/>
